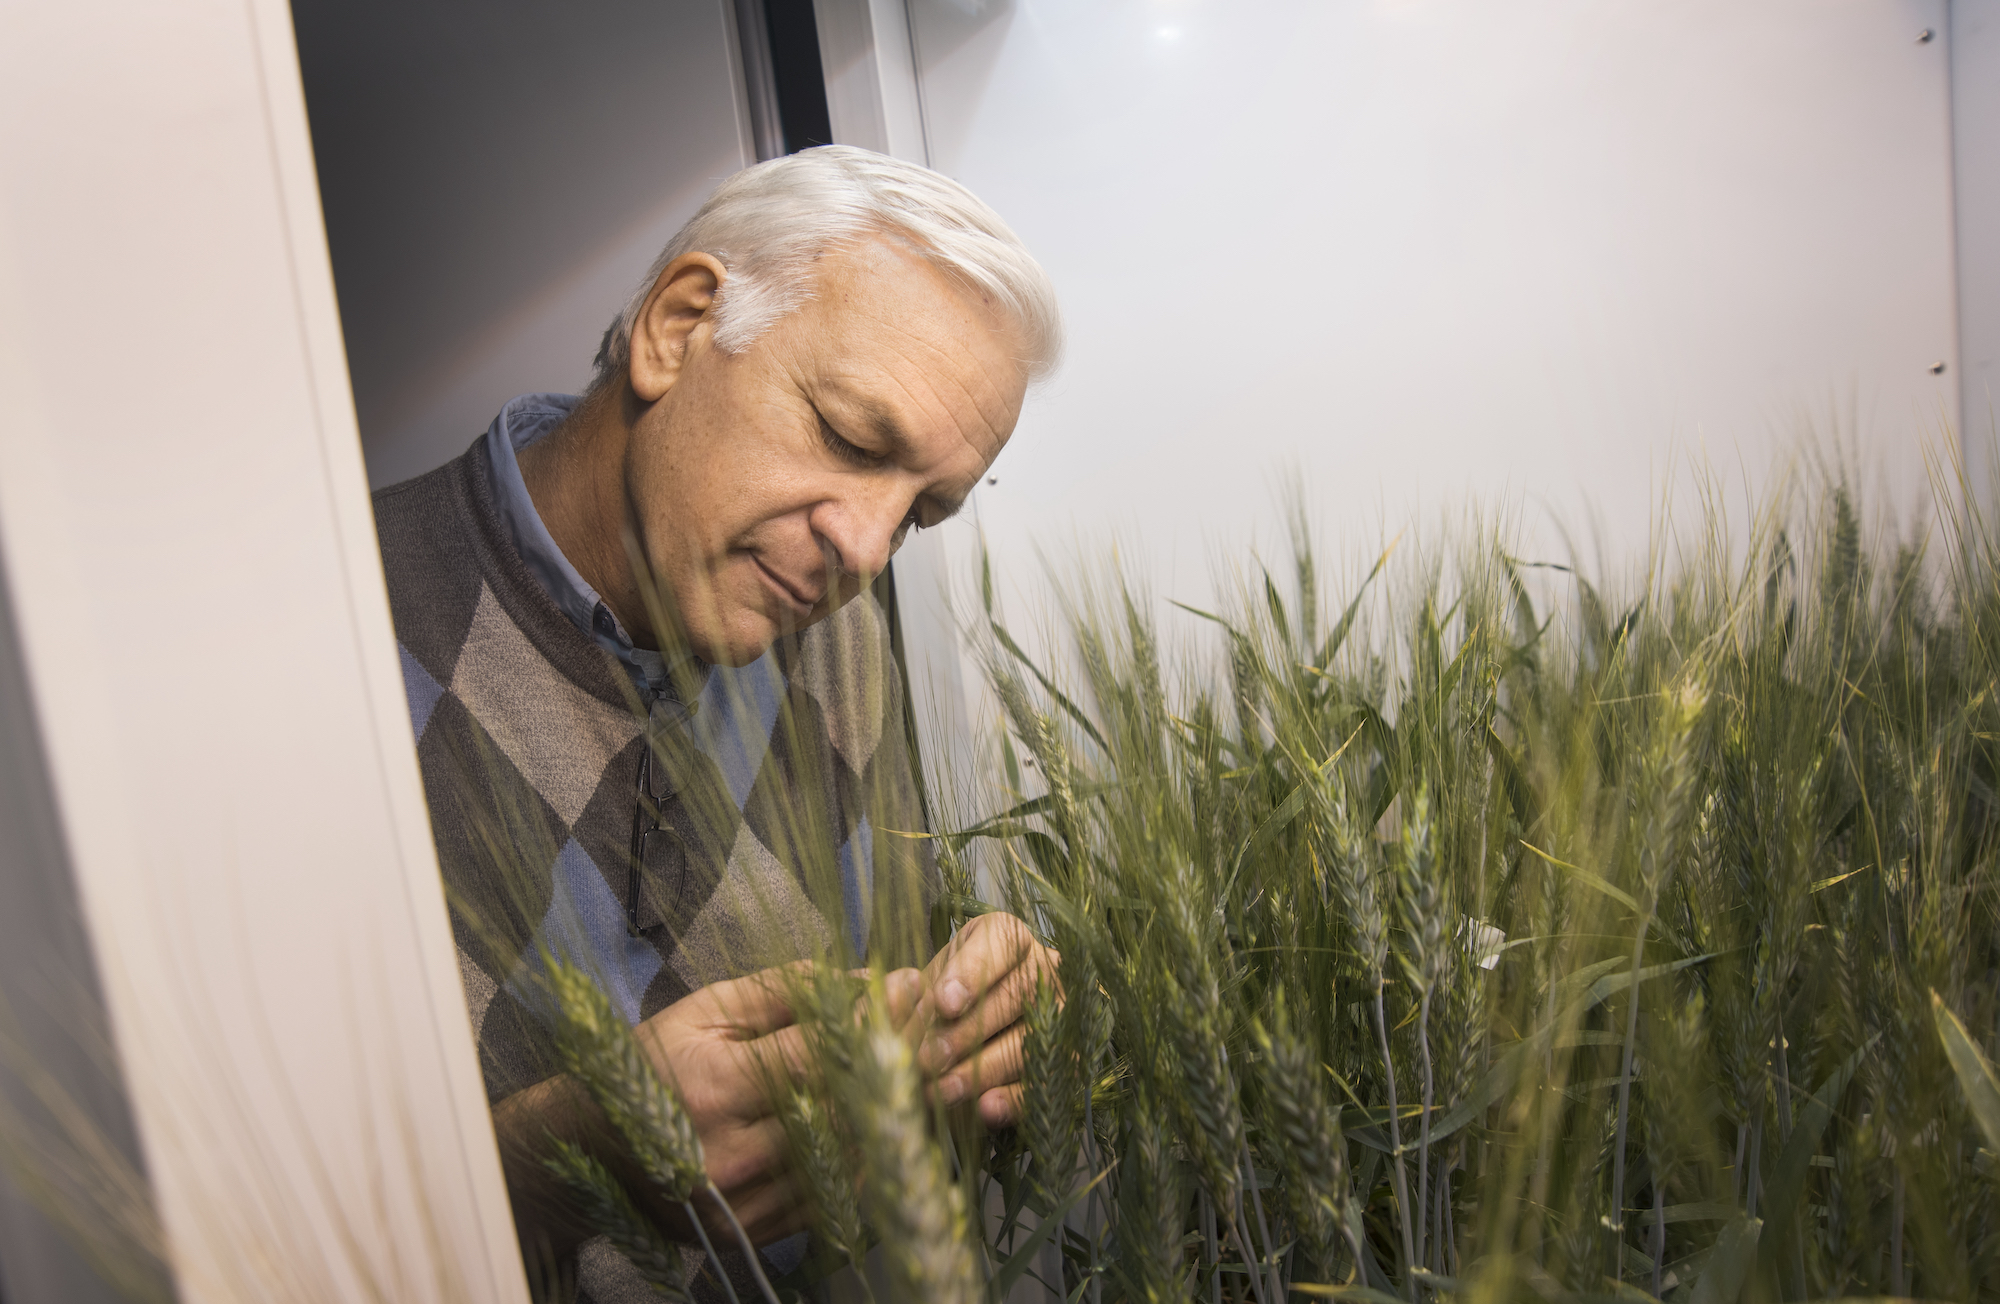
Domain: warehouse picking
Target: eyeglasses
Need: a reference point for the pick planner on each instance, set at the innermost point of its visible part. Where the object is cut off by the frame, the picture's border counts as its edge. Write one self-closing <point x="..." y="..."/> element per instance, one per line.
<point x="654" y="788"/>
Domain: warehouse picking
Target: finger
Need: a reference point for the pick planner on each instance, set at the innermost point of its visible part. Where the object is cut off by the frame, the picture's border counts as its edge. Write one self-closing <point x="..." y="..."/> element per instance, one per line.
<point x="981" y="952"/>
<point x="1000" y="1007"/>
<point x="985" y="954"/>
<point x="996" y="1064"/>
<point x="1001" y="1107"/>
<point x="904" y="987"/>
<point x="901" y="989"/>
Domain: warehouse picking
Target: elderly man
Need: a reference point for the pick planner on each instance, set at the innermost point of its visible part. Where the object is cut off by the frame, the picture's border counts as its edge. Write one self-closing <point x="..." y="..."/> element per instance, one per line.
<point x="647" y="698"/>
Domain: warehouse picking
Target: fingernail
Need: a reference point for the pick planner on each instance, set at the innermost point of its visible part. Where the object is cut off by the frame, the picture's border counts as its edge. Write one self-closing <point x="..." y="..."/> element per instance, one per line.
<point x="937" y="1052"/>
<point x="951" y="1090"/>
<point x="953" y="997"/>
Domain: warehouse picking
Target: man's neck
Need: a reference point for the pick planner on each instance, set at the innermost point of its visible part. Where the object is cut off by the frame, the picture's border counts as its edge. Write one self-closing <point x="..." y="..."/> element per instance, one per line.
<point x="576" y="479"/>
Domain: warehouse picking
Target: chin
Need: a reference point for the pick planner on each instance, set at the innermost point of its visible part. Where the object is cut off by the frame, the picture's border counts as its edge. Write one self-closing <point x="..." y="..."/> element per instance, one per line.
<point x="736" y="657"/>
<point x="741" y="643"/>
<point x="727" y="647"/>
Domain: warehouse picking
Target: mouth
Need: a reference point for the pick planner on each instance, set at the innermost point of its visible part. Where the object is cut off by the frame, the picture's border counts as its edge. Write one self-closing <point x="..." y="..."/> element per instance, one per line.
<point x="796" y="602"/>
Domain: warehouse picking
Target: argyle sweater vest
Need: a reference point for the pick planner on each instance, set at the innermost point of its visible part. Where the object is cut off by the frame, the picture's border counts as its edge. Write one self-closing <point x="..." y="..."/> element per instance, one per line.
<point x="790" y="783"/>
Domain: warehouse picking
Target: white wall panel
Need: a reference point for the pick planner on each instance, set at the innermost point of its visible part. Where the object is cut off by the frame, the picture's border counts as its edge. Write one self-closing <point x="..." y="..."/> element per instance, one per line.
<point x="1427" y="249"/>
<point x="1975" y="111"/>
<point x="205" y="631"/>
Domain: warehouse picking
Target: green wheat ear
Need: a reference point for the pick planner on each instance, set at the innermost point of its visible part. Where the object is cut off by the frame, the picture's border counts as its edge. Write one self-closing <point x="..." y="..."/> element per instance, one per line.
<point x="911" y="1198"/>
<point x="1310" y="1150"/>
<point x="608" y="1208"/>
<point x="1204" y="1091"/>
<point x="595" y="1045"/>
<point x="819" y="1157"/>
<point x="1052" y="1067"/>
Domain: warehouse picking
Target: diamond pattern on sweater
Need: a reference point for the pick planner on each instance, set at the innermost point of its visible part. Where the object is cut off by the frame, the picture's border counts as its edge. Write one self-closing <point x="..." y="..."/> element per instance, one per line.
<point x="733" y="721"/>
<point x="586" y="926"/>
<point x="479" y="989"/>
<point x="758" y="915"/>
<point x="423" y="690"/>
<point x="557" y="735"/>
<point x="857" y="884"/>
<point x="847" y="674"/>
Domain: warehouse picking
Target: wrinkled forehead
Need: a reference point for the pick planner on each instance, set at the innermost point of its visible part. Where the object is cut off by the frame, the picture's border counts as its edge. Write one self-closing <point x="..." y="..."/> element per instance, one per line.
<point x="901" y="341"/>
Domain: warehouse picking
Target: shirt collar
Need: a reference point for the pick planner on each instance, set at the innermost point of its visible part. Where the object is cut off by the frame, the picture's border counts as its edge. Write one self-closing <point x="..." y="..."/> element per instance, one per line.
<point x="521" y="423"/>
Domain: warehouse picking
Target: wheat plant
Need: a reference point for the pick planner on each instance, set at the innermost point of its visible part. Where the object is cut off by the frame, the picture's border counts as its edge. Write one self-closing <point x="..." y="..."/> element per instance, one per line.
<point x="1477" y="936"/>
<point x="1456" y="942"/>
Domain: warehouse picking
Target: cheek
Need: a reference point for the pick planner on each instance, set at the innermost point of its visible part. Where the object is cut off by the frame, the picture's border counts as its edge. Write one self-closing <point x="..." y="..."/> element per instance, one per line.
<point x="727" y="466"/>
<point x="682" y="479"/>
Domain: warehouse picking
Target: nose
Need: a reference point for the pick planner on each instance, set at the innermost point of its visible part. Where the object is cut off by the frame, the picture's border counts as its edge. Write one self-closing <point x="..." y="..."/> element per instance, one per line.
<point x="859" y="535"/>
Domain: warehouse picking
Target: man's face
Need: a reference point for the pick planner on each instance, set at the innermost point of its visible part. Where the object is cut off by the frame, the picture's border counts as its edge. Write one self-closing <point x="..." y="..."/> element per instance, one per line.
<point x="768" y="487"/>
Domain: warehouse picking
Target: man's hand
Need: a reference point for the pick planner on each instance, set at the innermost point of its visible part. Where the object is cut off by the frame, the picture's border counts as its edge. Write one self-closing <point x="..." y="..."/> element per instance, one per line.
<point x="967" y="1024"/>
<point x="723" y="1047"/>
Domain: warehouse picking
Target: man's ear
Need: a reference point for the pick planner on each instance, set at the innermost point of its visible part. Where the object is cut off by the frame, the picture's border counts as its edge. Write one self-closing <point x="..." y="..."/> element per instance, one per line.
<point x="677" y="305"/>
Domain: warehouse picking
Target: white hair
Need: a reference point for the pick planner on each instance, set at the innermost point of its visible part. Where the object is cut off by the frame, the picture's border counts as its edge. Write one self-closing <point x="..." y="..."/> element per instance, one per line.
<point x="769" y="224"/>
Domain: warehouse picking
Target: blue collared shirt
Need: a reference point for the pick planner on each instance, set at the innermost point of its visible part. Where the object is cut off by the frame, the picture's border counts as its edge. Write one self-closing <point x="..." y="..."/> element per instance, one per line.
<point x="520" y="423"/>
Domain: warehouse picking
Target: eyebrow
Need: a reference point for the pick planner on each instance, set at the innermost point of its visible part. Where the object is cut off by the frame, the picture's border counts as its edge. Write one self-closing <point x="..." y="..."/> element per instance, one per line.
<point x="882" y="422"/>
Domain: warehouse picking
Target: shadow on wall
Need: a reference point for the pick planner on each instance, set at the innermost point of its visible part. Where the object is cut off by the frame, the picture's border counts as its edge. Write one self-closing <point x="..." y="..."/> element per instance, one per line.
<point x="75" y="1215"/>
<point x="495" y="178"/>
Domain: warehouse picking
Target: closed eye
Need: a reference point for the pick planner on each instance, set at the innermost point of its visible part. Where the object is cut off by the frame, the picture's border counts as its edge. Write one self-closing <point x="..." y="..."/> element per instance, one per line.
<point x="848" y="452"/>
